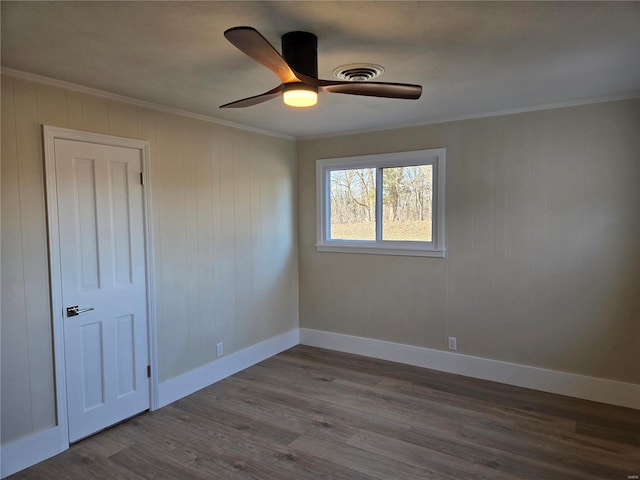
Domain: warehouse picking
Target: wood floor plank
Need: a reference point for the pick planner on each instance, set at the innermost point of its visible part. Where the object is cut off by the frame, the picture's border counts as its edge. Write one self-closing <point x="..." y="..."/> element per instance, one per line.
<point x="252" y="451"/>
<point x="551" y="451"/>
<point x="343" y="420"/>
<point x="240" y="421"/>
<point x="517" y="452"/>
<point x="440" y="462"/>
<point x="625" y="419"/>
<point x="376" y="403"/>
<point x="373" y="465"/>
<point x="478" y="408"/>
<point x="310" y="414"/>
<point x="619" y="432"/>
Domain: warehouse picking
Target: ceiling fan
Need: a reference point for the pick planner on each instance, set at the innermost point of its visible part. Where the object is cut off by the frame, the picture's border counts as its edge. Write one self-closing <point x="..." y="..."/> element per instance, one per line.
<point x="297" y="69"/>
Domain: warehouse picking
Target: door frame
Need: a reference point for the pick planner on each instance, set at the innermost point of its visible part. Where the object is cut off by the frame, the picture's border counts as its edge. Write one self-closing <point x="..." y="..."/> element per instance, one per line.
<point x="50" y="134"/>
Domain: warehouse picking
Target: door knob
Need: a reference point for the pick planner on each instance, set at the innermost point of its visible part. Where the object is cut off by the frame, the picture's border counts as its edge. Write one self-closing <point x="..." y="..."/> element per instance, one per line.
<point x="74" y="311"/>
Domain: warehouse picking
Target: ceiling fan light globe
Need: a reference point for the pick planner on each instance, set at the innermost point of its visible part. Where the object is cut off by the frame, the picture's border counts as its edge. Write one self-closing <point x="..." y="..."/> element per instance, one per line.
<point x="299" y="95"/>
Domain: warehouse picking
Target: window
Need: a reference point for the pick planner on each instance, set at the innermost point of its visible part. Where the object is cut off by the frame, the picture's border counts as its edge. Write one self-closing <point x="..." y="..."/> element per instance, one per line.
<point x="385" y="204"/>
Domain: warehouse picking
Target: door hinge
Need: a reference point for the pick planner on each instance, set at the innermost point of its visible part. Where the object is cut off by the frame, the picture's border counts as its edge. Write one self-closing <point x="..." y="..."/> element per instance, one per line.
<point x="148" y="371"/>
<point x="141" y="178"/>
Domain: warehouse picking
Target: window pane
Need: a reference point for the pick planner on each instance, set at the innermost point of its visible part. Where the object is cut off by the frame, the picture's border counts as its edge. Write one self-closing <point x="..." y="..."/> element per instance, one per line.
<point x="407" y="203"/>
<point x="353" y="204"/>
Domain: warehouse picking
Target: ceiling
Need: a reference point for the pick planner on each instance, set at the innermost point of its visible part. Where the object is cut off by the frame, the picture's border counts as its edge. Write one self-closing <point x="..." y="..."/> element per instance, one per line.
<point x="472" y="58"/>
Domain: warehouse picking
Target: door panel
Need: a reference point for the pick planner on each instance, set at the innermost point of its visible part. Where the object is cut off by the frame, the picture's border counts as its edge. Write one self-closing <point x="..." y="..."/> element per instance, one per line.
<point x="125" y="355"/>
<point x="92" y="366"/>
<point x="102" y="254"/>
<point x="86" y="223"/>
<point x="119" y="198"/>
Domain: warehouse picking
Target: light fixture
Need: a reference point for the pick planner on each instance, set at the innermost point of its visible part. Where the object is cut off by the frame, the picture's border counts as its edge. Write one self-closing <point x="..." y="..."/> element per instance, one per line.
<point x="297" y="94"/>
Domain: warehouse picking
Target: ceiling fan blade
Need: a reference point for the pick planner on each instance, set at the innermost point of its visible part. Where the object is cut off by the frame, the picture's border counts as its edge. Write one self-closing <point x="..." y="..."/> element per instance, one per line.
<point x="253" y="44"/>
<point x="250" y="101"/>
<point x="372" y="89"/>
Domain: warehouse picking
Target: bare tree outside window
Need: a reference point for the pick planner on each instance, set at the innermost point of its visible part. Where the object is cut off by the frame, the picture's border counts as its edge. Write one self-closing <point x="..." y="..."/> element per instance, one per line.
<point x="353" y="204"/>
<point x="407" y="203"/>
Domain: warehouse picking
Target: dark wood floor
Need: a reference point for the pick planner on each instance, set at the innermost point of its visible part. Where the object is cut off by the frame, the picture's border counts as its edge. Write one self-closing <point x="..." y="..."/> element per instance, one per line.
<point x="314" y="414"/>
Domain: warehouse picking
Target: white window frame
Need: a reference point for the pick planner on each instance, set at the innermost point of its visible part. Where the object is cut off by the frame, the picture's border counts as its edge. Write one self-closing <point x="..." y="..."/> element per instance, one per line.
<point x="436" y="248"/>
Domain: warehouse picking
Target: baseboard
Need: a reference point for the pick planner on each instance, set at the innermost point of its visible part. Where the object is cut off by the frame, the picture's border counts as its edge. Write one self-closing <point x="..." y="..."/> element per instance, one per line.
<point x="39" y="446"/>
<point x="27" y="451"/>
<point x="562" y="383"/>
<point x="179" y="387"/>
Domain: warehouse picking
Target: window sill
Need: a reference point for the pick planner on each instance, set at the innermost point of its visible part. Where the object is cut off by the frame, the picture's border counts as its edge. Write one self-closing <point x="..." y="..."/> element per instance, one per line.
<point x="382" y="250"/>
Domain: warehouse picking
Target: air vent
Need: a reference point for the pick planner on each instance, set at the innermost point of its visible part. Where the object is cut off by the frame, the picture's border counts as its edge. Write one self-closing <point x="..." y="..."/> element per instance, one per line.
<point x="358" y="72"/>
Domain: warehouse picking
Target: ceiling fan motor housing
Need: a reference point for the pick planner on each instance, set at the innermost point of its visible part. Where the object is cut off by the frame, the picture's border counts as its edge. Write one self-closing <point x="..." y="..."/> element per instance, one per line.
<point x="300" y="51"/>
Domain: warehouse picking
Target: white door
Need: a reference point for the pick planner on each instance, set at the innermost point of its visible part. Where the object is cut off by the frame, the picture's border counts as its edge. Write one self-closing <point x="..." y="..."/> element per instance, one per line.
<point x="102" y="263"/>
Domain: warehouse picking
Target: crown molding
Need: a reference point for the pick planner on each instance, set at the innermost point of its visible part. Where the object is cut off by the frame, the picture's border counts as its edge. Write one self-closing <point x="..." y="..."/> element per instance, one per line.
<point x="166" y="109"/>
<point x="497" y="113"/>
<point x="134" y="101"/>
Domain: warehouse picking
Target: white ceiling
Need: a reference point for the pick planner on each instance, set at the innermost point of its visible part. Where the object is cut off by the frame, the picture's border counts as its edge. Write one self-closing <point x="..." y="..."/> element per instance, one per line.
<point x="472" y="58"/>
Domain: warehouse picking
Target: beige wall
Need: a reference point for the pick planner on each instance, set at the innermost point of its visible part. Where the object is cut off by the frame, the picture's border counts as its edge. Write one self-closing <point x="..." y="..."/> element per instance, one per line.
<point x="543" y="240"/>
<point x="224" y="226"/>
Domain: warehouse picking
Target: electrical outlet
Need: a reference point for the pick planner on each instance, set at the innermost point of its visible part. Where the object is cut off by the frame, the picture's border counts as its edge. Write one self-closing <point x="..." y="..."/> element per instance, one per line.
<point x="452" y="343"/>
<point x="219" y="349"/>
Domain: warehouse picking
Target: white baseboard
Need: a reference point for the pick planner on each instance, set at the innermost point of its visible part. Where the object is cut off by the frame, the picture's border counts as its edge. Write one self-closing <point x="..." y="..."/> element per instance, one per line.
<point x="179" y="387"/>
<point x="35" y="448"/>
<point x="39" y="446"/>
<point x="562" y="383"/>
<point x="27" y="451"/>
